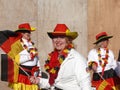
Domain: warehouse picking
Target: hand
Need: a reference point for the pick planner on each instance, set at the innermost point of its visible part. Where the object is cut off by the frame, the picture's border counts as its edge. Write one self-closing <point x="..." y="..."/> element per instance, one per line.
<point x="94" y="67"/>
<point x="34" y="80"/>
<point x="33" y="53"/>
<point x="32" y="56"/>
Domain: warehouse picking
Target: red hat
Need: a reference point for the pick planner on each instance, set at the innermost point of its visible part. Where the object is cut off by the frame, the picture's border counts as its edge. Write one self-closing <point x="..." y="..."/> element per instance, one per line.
<point x="25" y="27"/>
<point x="62" y="30"/>
<point x="101" y="37"/>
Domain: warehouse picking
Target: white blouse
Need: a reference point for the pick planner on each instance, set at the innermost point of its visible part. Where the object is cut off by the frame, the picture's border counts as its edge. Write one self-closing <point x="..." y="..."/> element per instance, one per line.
<point x="93" y="56"/>
<point x="25" y="58"/>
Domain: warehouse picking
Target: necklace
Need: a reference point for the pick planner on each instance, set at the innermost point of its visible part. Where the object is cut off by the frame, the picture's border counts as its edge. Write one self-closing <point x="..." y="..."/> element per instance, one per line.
<point x="105" y="60"/>
<point x="54" y="60"/>
<point x="33" y="51"/>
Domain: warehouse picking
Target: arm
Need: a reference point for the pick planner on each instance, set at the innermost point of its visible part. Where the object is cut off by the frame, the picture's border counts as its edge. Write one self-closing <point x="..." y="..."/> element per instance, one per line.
<point x="83" y="77"/>
<point x="113" y="62"/>
<point x="41" y="81"/>
<point x="91" y="55"/>
<point x="92" y="63"/>
<point x="24" y="56"/>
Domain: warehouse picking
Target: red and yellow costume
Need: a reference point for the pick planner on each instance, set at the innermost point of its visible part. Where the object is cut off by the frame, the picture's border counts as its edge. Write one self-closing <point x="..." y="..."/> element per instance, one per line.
<point x="23" y="58"/>
<point x="25" y="66"/>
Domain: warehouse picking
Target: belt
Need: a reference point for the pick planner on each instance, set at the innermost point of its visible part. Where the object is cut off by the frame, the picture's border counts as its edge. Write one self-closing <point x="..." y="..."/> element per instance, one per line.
<point x="56" y="88"/>
<point x="107" y="74"/>
<point x="29" y="69"/>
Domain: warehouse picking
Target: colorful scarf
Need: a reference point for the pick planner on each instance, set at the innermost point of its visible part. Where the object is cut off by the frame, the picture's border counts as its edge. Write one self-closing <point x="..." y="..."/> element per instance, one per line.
<point x="52" y="64"/>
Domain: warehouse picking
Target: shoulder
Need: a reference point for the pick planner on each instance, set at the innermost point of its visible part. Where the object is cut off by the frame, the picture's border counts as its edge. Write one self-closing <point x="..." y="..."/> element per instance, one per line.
<point x="92" y="51"/>
<point x="77" y="58"/>
<point x="74" y="53"/>
<point x="111" y="53"/>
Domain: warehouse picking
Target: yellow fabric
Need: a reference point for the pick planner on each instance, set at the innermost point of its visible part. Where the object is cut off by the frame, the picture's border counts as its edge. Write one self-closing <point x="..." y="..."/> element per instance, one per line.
<point x="47" y="67"/>
<point x="103" y="85"/>
<point x="16" y="67"/>
<point x="21" y="86"/>
<point x="53" y="70"/>
<point x="116" y="87"/>
<point x="16" y="48"/>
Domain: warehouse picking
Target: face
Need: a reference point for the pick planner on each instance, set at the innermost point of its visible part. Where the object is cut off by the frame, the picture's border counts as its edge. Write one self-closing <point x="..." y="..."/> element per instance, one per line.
<point x="26" y="36"/>
<point x="60" y="42"/>
<point x="104" y="43"/>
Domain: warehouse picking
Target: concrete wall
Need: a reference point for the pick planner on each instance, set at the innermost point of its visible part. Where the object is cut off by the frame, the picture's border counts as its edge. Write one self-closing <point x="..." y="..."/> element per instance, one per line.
<point x="44" y="15"/>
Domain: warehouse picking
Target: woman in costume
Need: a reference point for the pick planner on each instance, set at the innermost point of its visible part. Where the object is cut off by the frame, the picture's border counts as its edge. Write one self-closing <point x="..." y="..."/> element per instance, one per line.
<point x="66" y="67"/>
<point x="26" y="62"/>
<point x="101" y="61"/>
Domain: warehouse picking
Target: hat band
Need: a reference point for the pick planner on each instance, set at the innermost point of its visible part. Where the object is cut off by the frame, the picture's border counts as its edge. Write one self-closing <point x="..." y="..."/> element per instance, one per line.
<point x="101" y="37"/>
<point x="23" y="29"/>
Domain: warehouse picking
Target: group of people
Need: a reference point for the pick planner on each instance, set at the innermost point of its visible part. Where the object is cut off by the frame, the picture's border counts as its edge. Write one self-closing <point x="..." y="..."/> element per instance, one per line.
<point x="67" y="69"/>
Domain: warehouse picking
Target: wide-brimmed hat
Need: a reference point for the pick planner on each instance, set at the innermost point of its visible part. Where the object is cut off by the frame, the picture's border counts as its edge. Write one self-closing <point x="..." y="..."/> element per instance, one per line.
<point x="101" y="37"/>
<point x="62" y="30"/>
<point x="25" y="27"/>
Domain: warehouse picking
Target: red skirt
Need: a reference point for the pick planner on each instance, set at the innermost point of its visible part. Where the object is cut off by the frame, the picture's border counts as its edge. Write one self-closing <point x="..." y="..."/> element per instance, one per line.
<point x="111" y="81"/>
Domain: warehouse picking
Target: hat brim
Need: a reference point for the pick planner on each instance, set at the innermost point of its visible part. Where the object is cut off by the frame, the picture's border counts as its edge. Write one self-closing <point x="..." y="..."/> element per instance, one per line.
<point x="72" y="35"/>
<point x="102" y="39"/>
<point x="25" y="30"/>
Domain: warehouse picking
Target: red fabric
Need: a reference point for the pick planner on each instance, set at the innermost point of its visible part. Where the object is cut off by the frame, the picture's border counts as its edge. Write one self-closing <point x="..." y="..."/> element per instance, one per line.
<point x="10" y="70"/>
<point x="52" y="78"/>
<point x="34" y="69"/>
<point x="54" y="60"/>
<point x="6" y="46"/>
<point x="112" y="82"/>
<point x="108" y="87"/>
<point x="24" y="79"/>
<point x="53" y="63"/>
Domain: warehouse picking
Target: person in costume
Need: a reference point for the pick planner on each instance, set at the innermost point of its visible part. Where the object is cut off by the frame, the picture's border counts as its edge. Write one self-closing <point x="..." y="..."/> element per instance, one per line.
<point x="117" y="69"/>
<point x="101" y="61"/>
<point x="25" y="57"/>
<point x="66" y="67"/>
